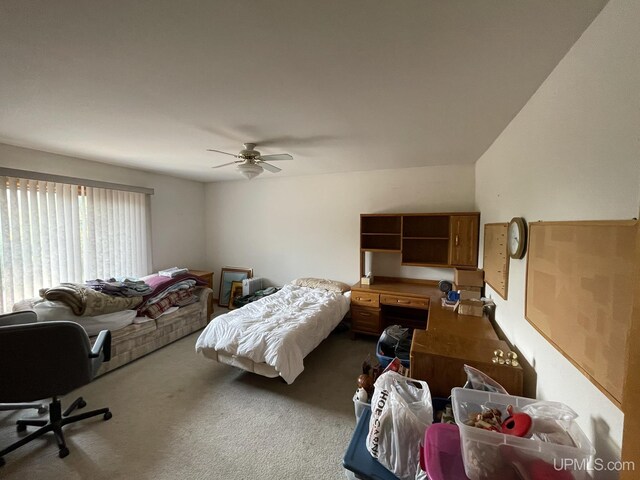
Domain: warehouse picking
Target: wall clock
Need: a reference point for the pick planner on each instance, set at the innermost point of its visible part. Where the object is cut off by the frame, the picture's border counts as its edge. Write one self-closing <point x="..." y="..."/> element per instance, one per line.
<point x="517" y="237"/>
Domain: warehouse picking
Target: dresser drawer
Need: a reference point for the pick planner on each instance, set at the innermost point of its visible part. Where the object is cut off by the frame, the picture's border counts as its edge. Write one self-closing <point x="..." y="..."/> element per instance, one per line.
<point x="411" y="302"/>
<point x="365" y="320"/>
<point x="365" y="299"/>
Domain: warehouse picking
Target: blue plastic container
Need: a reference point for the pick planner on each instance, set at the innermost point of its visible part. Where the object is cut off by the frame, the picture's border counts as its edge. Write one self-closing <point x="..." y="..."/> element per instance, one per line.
<point x="384" y="361"/>
<point x="357" y="458"/>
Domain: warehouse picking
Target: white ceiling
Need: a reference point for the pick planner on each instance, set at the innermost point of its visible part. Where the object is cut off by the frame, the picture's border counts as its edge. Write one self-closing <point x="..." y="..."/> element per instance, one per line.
<point x="341" y="85"/>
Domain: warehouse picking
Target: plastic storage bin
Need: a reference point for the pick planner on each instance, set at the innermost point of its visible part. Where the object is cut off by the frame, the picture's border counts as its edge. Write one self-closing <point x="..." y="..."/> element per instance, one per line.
<point x="360" y="407"/>
<point x="384" y="361"/>
<point x="440" y="454"/>
<point x="492" y="455"/>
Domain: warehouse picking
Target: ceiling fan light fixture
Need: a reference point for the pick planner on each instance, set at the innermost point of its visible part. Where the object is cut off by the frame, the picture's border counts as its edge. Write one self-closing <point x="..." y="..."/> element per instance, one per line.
<point x="250" y="170"/>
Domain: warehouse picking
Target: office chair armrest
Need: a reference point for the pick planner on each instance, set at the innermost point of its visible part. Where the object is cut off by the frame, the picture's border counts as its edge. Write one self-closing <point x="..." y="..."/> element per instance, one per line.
<point x="103" y="344"/>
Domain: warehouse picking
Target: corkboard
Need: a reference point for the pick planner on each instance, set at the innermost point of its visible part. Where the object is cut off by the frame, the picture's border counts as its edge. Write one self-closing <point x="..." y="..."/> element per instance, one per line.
<point x="496" y="257"/>
<point x="631" y="436"/>
<point x="579" y="291"/>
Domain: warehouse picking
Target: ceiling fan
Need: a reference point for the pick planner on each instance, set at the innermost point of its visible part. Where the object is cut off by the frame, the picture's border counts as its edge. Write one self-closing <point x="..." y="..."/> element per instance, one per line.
<point x="251" y="163"/>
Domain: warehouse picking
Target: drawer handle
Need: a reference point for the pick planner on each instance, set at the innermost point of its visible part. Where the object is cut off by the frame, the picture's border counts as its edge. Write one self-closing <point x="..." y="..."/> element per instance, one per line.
<point x="365" y="314"/>
<point x="360" y="299"/>
<point x="457" y="240"/>
<point x="403" y="301"/>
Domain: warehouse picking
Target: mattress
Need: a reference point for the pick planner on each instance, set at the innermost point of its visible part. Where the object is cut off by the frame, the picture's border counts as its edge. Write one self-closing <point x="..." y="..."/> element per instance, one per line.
<point x="273" y="335"/>
<point x="48" y="310"/>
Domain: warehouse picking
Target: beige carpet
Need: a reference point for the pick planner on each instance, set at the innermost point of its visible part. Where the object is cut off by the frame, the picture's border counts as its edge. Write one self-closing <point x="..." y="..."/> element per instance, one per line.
<point x="177" y="415"/>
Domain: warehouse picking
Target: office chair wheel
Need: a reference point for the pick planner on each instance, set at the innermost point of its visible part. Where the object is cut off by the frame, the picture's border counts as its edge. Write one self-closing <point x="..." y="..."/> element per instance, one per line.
<point x="107" y="416"/>
<point x="21" y="428"/>
<point x="81" y="403"/>
<point x="63" y="452"/>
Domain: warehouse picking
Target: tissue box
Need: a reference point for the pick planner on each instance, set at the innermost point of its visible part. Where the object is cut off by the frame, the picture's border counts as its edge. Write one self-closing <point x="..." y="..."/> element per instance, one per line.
<point x="470" y="307"/>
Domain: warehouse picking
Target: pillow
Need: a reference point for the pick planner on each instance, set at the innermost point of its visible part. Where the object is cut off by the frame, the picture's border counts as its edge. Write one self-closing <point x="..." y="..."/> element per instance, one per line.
<point x="329" y="285"/>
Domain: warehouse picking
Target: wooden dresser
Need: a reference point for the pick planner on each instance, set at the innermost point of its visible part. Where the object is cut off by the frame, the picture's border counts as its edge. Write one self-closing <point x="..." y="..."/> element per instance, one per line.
<point x="207" y="277"/>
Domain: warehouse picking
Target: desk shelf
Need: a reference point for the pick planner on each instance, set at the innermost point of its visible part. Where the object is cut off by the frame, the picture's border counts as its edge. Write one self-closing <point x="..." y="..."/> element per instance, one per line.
<point x="423" y="239"/>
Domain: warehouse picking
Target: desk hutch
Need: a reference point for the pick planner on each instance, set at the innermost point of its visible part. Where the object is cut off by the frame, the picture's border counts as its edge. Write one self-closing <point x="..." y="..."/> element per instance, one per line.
<point x="443" y="341"/>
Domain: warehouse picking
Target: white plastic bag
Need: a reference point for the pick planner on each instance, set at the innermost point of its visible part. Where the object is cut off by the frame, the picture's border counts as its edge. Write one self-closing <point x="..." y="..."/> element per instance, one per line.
<point x="401" y="411"/>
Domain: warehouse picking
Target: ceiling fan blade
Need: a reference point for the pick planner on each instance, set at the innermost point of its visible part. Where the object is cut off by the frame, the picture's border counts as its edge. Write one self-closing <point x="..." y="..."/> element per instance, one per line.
<point x="225" y="164"/>
<point x="219" y="151"/>
<point x="271" y="168"/>
<point x="277" y="156"/>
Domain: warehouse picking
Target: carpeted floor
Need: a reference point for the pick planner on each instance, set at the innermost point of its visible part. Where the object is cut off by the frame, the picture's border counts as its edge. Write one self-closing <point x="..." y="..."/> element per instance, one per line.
<point x="177" y="415"/>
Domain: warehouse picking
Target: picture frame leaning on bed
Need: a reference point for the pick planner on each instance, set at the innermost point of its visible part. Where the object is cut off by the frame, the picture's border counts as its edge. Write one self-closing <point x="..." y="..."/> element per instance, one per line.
<point x="227" y="276"/>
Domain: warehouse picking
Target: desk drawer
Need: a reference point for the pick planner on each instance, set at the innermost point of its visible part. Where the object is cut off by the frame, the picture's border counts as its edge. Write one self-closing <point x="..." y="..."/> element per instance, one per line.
<point x="410" y="302"/>
<point x="365" y="320"/>
<point x="365" y="299"/>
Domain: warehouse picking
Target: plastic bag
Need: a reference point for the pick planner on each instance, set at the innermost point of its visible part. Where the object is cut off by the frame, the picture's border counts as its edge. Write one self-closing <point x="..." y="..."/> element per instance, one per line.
<point x="551" y="421"/>
<point x="401" y="410"/>
<point x="477" y="380"/>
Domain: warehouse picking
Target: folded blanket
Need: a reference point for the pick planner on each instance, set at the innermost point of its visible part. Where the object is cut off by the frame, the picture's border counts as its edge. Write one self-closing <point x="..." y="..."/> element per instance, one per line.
<point x="160" y="284"/>
<point x="178" y="298"/>
<point x="120" y="288"/>
<point x="85" y="301"/>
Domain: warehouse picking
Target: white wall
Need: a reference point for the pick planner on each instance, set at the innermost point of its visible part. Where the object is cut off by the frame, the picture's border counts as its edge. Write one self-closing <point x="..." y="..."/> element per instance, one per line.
<point x="309" y="225"/>
<point x="177" y="207"/>
<point x="572" y="153"/>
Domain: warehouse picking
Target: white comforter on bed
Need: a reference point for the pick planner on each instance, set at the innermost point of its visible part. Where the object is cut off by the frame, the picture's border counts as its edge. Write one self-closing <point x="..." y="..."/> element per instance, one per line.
<point x="279" y="330"/>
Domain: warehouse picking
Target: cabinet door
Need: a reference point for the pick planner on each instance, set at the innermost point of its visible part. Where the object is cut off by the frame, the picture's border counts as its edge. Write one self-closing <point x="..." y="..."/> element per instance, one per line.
<point x="463" y="240"/>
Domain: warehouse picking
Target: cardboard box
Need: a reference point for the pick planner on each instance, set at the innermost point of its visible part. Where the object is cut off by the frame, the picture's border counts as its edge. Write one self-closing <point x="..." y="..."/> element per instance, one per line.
<point x="469" y="294"/>
<point x="457" y="288"/>
<point x="468" y="278"/>
<point x="470" y="307"/>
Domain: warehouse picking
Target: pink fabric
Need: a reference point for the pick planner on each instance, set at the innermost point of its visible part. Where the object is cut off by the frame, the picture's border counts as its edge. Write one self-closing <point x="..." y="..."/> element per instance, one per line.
<point x="159" y="283"/>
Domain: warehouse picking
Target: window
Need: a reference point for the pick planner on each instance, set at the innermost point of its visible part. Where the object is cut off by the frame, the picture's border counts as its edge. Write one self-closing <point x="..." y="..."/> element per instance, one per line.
<point x="54" y="232"/>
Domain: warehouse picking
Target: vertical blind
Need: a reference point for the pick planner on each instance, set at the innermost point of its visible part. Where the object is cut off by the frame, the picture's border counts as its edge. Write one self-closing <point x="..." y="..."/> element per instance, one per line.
<point x="55" y="232"/>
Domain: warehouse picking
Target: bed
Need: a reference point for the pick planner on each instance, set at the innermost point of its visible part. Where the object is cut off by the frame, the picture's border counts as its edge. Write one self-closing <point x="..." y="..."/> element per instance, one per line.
<point x="271" y="336"/>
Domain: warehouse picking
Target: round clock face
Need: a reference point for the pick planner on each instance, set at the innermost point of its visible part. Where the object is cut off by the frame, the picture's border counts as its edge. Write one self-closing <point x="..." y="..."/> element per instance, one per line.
<point x="516" y="237"/>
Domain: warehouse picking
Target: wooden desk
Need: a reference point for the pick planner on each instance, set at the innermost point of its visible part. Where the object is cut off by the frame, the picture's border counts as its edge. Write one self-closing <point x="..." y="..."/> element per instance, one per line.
<point x="389" y="302"/>
<point x="439" y="353"/>
<point x="439" y="359"/>
<point x="443" y="341"/>
<point x="442" y="320"/>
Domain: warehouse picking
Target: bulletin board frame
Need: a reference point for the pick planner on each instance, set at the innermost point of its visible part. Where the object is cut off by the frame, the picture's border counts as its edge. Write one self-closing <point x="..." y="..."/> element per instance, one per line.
<point x="496" y="258"/>
<point x="579" y="276"/>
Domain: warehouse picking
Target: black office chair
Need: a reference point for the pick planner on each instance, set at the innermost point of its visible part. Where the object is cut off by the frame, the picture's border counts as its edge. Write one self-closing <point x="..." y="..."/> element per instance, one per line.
<point x="48" y="359"/>
<point x="14" y="319"/>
